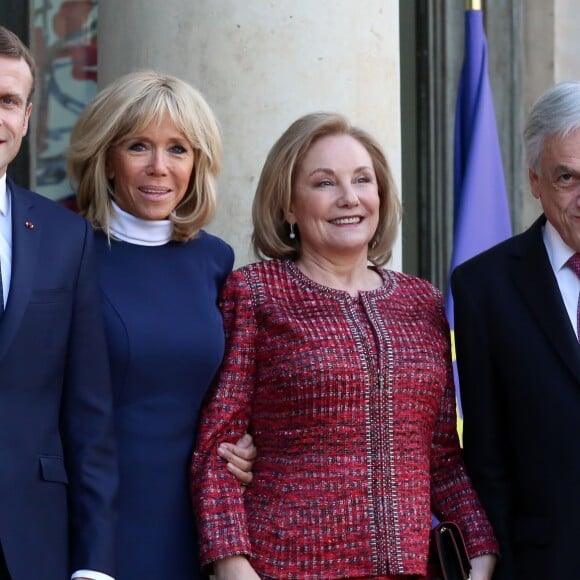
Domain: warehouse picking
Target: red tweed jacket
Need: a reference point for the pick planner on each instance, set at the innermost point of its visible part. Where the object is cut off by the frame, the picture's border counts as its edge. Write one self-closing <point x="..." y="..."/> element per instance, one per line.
<point x="351" y="405"/>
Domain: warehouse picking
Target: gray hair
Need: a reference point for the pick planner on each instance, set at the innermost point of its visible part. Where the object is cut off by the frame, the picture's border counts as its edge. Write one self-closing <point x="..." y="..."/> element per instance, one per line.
<point x="556" y="112"/>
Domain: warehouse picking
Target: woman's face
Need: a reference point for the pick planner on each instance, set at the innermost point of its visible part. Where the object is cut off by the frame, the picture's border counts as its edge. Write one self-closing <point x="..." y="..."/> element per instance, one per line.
<point x="151" y="171"/>
<point x="335" y="200"/>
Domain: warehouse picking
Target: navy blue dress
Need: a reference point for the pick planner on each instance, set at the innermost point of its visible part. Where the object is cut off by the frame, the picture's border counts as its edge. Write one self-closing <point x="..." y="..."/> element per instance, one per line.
<point x="166" y="342"/>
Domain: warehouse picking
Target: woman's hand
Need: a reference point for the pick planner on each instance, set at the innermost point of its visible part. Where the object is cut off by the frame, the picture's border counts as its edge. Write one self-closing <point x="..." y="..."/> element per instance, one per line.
<point x="240" y="458"/>
<point x="234" y="568"/>
<point x="482" y="567"/>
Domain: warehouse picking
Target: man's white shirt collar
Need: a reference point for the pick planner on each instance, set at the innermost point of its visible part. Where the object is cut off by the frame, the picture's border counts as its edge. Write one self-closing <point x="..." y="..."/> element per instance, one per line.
<point x="558" y="251"/>
<point x="3" y="196"/>
<point x="5" y="238"/>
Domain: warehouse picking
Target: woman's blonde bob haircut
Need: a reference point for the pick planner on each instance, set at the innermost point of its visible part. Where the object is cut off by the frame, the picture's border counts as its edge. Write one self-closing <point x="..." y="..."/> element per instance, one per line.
<point x="274" y="192"/>
<point x="121" y="111"/>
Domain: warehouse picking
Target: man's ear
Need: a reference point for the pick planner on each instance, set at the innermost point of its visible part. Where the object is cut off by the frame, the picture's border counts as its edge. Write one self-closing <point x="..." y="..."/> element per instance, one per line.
<point x="27" y="113"/>
<point x="534" y="180"/>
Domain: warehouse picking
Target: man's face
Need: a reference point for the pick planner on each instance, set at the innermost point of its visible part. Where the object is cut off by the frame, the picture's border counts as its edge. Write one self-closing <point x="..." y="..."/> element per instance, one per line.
<point x="15" y="86"/>
<point x="557" y="185"/>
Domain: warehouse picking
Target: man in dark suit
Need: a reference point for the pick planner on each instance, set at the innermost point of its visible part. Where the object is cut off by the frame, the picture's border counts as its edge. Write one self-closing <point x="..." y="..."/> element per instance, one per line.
<point x="58" y="474"/>
<point x="516" y="332"/>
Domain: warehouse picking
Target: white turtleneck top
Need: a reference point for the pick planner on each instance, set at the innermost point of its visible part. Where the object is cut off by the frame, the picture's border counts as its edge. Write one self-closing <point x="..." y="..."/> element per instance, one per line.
<point x="129" y="228"/>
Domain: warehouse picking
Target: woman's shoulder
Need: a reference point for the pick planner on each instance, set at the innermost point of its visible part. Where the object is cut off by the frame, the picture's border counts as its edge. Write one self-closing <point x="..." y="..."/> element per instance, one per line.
<point x="263" y="268"/>
<point x="265" y="274"/>
<point x="212" y="242"/>
<point x="409" y="279"/>
<point x="412" y="287"/>
<point x="210" y="251"/>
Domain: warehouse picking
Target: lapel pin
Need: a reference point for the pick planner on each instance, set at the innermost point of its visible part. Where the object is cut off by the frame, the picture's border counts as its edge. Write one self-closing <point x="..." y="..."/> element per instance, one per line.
<point x="29" y="225"/>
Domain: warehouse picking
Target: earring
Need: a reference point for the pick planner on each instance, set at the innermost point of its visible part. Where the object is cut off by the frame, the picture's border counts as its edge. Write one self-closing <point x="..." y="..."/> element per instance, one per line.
<point x="292" y="235"/>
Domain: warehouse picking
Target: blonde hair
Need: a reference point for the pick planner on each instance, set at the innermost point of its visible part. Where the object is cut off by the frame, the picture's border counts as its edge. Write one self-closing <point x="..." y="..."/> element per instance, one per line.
<point x="120" y="111"/>
<point x="272" y="200"/>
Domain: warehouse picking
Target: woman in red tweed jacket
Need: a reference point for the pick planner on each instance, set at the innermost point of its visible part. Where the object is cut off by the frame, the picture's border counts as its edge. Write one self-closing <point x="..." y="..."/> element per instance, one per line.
<point x="341" y="371"/>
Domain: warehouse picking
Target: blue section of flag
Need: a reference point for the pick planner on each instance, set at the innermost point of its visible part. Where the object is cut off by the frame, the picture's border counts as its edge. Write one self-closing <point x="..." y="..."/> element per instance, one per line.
<point x="481" y="212"/>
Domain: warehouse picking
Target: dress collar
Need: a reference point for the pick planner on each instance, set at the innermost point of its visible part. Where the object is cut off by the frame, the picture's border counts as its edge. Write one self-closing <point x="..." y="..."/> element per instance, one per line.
<point x="128" y="228"/>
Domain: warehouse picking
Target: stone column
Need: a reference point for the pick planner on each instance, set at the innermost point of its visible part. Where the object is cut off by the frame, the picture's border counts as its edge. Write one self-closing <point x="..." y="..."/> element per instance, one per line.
<point x="261" y="64"/>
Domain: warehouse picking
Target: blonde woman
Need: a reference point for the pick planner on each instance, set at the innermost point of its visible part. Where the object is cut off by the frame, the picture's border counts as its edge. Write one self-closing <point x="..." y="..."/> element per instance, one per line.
<point x="143" y="158"/>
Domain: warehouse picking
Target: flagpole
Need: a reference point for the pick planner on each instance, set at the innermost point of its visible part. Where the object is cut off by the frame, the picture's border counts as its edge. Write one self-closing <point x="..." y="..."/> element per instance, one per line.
<point x="473" y="4"/>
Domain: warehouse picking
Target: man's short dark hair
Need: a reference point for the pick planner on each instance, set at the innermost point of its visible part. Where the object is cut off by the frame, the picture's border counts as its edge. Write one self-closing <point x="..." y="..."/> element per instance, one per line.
<point x="12" y="47"/>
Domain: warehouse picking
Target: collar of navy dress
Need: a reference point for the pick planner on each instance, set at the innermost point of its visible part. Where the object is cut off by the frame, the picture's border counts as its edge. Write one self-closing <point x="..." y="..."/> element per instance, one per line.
<point x="128" y="228"/>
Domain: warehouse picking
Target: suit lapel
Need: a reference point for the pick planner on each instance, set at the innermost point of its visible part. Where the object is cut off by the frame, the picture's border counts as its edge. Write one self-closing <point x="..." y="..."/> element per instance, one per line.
<point x="544" y="298"/>
<point x="25" y="246"/>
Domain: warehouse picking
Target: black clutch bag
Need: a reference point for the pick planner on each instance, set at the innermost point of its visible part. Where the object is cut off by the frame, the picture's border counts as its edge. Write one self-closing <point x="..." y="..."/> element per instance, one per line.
<point x="448" y="559"/>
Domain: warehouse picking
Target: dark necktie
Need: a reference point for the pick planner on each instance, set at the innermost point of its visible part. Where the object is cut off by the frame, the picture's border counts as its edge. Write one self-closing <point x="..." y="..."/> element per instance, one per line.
<point x="574" y="263"/>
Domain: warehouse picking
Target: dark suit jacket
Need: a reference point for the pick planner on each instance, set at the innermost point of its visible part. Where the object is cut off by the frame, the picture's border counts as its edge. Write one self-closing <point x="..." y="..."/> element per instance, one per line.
<point x="519" y="371"/>
<point x="58" y="469"/>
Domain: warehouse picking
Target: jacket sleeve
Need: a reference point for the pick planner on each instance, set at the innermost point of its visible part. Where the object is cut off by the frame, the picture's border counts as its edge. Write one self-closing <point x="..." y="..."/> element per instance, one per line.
<point x="216" y="493"/>
<point x="87" y="426"/>
<point x="484" y="431"/>
<point x="452" y="494"/>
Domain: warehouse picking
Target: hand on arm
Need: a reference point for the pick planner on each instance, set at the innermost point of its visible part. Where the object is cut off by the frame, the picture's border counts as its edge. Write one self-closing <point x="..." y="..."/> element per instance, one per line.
<point x="482" y="567"/>
<point x="240" y="458"/>
<point x="234" y="568"/>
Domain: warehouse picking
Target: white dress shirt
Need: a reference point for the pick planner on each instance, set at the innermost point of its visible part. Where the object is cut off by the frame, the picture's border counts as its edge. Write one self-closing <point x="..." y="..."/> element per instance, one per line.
<point x="6" y="267"/>
<point x="91" y="575"/>
<point x="5" y="239"/>
<point x="559" y="253"/>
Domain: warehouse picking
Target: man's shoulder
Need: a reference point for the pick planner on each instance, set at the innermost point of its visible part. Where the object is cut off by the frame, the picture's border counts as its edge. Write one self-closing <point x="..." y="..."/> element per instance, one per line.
<point x="497" y="255"/>
<point x="51" y="212"/>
